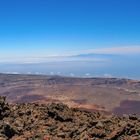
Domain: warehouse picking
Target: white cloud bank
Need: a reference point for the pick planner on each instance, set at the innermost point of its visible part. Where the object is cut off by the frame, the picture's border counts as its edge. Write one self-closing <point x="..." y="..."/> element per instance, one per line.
<point x="127" y="50"/>
<point x="73" y="56"/>
<point x="37" y="60"/>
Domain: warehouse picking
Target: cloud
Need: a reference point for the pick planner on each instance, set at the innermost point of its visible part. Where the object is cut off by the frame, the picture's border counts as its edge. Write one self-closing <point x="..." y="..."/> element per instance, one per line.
<point x="106" y="75"/>
<point x="74" y="56"/>
<point x="72" y="74"/>
<point x="14" y="72"/>
<point x="51" y="73"/>
<point x="87" y="74"/>
<point x="37" y="60"/>
<point x="126" y="50"/>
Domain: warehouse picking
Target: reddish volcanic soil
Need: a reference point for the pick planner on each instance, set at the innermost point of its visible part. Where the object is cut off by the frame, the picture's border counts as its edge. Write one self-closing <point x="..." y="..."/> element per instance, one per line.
<point x="111" y="95"/>
<point x="128" y="107"/>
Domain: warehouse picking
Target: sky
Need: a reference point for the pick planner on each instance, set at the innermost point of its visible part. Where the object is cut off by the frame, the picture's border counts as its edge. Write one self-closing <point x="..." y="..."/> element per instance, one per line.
<point x="40" y="28"/>
<point x="33" y="31"/>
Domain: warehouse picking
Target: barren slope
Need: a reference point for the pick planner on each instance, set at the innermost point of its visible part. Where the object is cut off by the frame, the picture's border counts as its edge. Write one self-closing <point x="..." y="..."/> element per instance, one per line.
<point x="119" y="96"/>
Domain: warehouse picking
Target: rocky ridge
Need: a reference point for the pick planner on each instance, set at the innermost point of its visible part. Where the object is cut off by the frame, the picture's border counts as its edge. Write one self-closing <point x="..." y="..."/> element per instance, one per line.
<point x="32" y="121"/>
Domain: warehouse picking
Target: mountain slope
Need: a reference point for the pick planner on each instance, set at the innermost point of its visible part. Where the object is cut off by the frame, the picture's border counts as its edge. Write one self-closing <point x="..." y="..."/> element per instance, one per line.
<point x="120" y="96"/>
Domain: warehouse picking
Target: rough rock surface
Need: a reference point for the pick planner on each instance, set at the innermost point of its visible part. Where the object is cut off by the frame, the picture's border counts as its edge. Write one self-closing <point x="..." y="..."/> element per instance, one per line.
<point x="30" y="121"/>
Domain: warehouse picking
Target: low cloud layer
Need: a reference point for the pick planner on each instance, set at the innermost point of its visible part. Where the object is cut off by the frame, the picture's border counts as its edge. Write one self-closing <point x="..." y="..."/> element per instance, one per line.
<point x="127" y="50"/>
<point x="94" y="55"/>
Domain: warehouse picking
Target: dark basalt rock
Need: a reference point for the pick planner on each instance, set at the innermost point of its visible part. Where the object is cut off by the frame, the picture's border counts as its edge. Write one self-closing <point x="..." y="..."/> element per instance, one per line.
<point x="8" y="130"/>
<point x="4" y="108"/>
<point x="60" y="112"/>
<point x="30" y="121"/>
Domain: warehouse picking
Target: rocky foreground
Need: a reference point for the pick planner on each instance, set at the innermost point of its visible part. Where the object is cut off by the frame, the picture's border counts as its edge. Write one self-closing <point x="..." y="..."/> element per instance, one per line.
<point x="32" y="121"/>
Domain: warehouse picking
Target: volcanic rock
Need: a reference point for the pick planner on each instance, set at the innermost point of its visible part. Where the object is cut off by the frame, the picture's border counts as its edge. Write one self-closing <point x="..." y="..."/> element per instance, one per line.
<point x="32" y="121"/>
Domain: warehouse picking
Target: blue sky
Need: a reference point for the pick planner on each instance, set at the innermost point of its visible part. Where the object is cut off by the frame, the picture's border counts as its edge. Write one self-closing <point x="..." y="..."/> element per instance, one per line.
<point x="70" y="37"/>
<point x="40" y="28"/>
